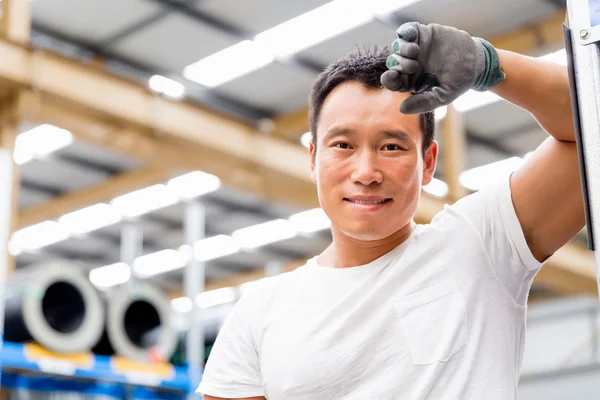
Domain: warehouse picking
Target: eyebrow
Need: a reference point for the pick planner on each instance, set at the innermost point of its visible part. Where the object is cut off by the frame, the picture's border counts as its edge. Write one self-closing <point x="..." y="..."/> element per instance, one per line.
<point x="338" y="131"/>
<point x="396" y="134"/>
<point x="387" y="134"/>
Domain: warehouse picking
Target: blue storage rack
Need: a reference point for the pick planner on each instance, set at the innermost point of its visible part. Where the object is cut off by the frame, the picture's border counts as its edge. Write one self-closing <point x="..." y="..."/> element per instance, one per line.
<point x="34" y="359"/>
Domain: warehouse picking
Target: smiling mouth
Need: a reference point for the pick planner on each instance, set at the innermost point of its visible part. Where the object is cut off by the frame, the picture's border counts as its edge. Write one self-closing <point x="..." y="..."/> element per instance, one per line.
<point x="378" y="201"/>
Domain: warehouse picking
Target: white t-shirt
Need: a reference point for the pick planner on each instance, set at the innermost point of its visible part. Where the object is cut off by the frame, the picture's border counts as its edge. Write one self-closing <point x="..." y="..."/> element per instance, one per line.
<point x="442" y="316"/>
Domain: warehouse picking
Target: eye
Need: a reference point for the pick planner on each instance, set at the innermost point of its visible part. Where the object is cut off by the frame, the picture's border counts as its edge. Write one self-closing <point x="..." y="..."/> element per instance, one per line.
<point x="391" y="147"/>
<point x="342" y="145"/>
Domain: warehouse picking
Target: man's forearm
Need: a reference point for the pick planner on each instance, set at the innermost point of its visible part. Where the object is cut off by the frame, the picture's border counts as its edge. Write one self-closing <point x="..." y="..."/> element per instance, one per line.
<point x="540" y="87"/>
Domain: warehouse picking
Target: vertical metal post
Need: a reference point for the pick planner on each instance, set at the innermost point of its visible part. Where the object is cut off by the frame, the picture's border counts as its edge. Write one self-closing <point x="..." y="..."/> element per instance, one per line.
<point x="6" y="183"/>
<point x="274" y="267"/>
<point x="15" y="22"/>
<point x="132" y="241"/>
<point x="455" y="148"/>
<point x="594" y="334"/>
<point x="194" y="283"/>
<point x="582" y="37"/>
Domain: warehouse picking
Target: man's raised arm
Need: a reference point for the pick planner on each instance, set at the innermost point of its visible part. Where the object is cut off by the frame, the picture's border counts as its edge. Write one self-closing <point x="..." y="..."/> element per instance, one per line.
<point x="546" y="190"/>
<point x="440" y="63"/>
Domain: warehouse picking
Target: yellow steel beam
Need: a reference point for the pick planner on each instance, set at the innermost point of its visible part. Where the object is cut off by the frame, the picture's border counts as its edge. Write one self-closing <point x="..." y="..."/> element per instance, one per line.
<point x="15" y="23"/>
<point x="108" y="97"/>
<point x="9" y="121"/>
<point x="155" y="151"/>
<point x="454" y="149"/>
<point x="15" y="26"/>
<point x="104" y="191"/>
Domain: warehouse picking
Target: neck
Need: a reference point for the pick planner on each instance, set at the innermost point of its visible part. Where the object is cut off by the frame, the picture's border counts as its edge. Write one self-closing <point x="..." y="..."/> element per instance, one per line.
<point x="346" y="251"/>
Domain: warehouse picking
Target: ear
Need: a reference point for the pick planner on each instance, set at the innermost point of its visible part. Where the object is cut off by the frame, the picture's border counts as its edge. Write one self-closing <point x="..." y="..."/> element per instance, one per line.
<point x="313" y="153"/>
<point x="429" y="163"/>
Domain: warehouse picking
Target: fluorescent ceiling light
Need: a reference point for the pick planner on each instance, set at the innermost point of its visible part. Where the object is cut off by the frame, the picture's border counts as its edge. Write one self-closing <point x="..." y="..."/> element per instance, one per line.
<point x="305" y="139"/>
<point x="40" y="141"/>
<point x="247" y="286"/>
<point x="166" y="86"/>
<point x="13" y="248"/>
<point x="436" y="188"/>
<point x="315" y="26"/>
<point x="22" y="155"/>
<point x="263" y="234"/>
<point x="473" y="99"/>
<point x="186" y="251"/>
<point x="194" y="184"/>
<point x="110" y="275"/>
<point x="182" y="304"/>
<point x="39" y="235"/>
<point x="215" y="247"/>
<point x="477" y="178"/>
<point x="557" y="57"/>
<point x="144" y="201"/>
<point x="388" y="6"/>
<point x="216" y="297"/>
<point x="310" y="221"/>
<point x="228" y="64"/>
<point x="158" y="263"/>
<point x="90" y="218"/>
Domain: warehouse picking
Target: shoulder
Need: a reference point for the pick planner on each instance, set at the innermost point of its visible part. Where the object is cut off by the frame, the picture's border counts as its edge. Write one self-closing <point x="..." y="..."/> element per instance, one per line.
<point x="265" y="289"/>
<point x="486" y="203"/>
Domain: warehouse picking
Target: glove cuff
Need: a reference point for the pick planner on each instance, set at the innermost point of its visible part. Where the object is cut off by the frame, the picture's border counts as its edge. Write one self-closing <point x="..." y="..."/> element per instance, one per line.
<point x="492" y="73"/>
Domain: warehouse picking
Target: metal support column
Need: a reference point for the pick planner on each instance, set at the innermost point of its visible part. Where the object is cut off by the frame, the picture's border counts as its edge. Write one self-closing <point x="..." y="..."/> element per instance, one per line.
<point x="273" y="268"/>
<point x="582" y="38"/>
<point x="9" y="195"/>
<point x="455" y="152"/>
<point x="6" y="183"/>
<point x="132" y="241"/>
<point x="193" y="284"/>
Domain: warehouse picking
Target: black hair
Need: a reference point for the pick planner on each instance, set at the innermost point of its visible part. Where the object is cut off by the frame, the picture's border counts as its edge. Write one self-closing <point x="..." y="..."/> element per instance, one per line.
<point x="366" y="66"/>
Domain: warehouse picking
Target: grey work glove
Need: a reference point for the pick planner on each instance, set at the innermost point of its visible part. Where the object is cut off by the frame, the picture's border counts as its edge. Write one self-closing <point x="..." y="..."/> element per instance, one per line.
<point x="438" y="64"/>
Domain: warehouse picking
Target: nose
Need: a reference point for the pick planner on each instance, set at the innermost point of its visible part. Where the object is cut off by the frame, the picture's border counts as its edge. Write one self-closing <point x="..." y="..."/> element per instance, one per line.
<point x="366" y="170"/>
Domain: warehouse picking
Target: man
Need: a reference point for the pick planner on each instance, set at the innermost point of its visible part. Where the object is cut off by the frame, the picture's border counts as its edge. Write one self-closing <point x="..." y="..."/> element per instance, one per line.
<point x="391" y="309"/>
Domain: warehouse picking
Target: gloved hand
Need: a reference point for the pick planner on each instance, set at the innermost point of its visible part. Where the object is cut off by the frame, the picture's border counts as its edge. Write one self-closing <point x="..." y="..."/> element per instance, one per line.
<point x="438" y="64"/>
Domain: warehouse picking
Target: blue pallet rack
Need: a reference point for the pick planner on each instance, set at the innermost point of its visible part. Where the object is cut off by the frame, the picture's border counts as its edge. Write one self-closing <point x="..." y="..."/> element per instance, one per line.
<point x="31" y="358"/>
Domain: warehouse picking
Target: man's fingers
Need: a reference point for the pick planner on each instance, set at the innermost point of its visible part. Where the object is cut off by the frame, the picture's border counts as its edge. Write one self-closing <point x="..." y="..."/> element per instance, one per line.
<point x="424" y="102"/>
<point x="419" y="103"/>
<point x="402" y="64"/>
<point x="425" y="83"/>
<point x="409" y="32"/>
<point x="390" y="80"/>
<point x="406" y="49"/>
<point x="395" y="81"/>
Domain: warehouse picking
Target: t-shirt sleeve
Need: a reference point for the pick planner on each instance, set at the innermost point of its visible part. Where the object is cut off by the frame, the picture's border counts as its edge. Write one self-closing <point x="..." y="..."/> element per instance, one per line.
<point x="232" y="369"/>
<point x="491" y="213"/>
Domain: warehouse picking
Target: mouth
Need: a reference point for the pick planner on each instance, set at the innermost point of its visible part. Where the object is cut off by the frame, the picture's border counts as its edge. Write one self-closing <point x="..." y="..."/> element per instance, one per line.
<point x="367" y="204"/>
<point x="368" y="201"/>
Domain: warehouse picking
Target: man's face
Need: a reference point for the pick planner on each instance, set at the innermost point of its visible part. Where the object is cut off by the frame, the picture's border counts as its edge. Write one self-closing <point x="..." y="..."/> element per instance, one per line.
<point x="368" y="162"/>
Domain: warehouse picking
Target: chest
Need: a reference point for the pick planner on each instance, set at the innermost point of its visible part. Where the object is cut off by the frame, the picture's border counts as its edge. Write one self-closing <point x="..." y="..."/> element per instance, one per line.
<point x="347" y="342"/>
<point x="328" y="353"/>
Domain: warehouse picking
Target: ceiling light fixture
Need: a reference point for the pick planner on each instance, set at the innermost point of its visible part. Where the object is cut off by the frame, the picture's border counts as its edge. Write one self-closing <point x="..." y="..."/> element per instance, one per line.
<point x="145" y="200"/>
<point x="263" y="234"/>
<point x="110" y="275"/>
<point x="228" y="64"/>
<point x="90" y="218"/>
<point x="166" y="86"/>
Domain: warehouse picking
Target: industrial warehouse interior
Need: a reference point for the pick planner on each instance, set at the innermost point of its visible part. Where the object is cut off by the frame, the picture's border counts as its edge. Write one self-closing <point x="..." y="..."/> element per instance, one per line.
<point x="155" y="166"/>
